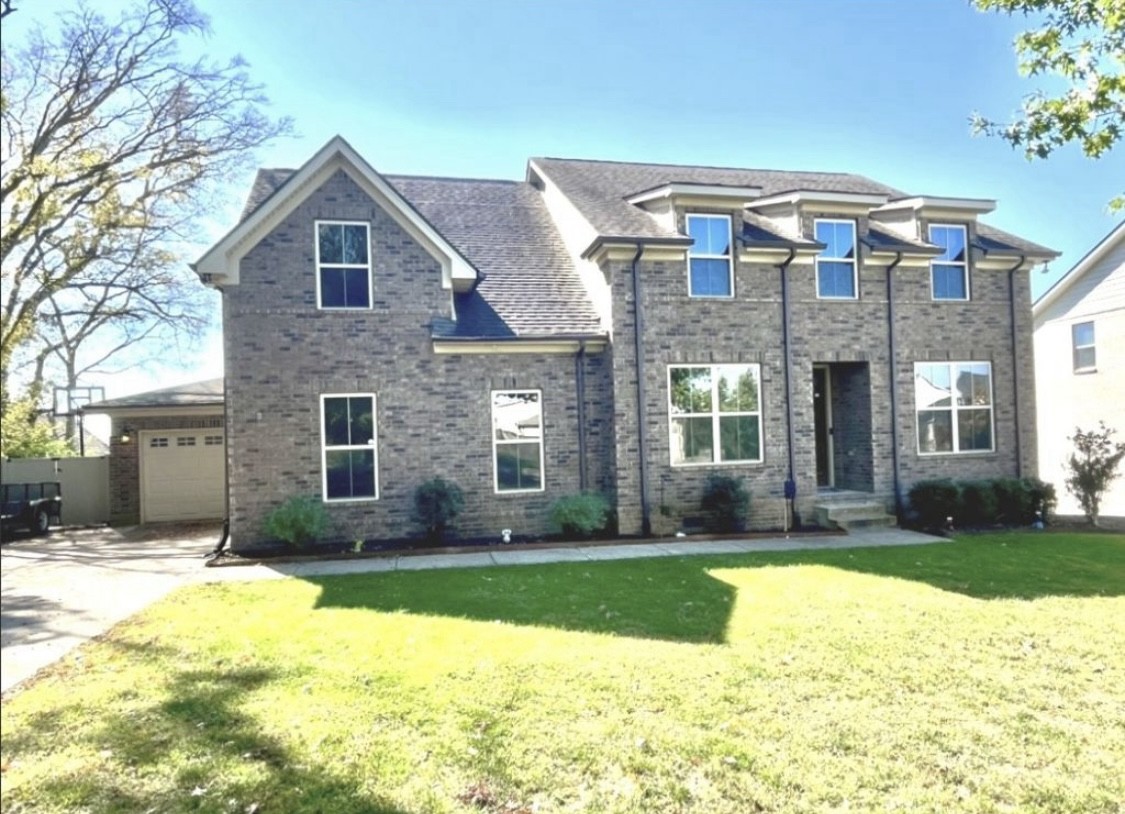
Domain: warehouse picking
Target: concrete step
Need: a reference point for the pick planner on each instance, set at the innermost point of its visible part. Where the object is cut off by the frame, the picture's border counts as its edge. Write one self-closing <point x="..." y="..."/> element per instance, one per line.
<point x="853" y="512"/>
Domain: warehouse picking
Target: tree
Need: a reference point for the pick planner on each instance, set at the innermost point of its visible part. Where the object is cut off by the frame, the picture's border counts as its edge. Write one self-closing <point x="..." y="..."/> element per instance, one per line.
<point x="1092" y="467"/>
<point x="113" y="149"/>
<point x="26" y="434"/>
<point x="1083" y="43"/>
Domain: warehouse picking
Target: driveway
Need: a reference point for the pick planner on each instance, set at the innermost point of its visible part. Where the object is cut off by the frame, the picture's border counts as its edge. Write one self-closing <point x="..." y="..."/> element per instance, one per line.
<point x="61" y="590"/>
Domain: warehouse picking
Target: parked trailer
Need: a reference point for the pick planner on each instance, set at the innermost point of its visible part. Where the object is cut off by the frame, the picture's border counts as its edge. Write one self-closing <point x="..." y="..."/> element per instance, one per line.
<point x="31" y="505"/>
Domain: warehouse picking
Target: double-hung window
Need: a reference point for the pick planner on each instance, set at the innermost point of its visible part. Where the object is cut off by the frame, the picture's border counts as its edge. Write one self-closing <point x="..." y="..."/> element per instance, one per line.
<point x="949" y="271"/>
<point x="836" y="265"/>
<point x="348" y="446"/>
<point x="343" y="264"/>
<point x="1085" y="352"/>
<point x="953" y="402"/>
<point x="517" y="440"/>
<point x="710" y="263"/>
<point x="715" y="414"/>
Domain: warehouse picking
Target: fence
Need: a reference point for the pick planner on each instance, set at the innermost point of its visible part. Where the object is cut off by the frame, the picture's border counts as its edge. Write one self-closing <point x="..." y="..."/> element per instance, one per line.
<point x="85" y="484"/>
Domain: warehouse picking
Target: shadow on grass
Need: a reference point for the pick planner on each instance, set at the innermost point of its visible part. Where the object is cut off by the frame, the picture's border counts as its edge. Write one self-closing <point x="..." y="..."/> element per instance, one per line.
<point x="677" y="599"/>
<point x="668" y="599"/>
<point x="221" y="759"/>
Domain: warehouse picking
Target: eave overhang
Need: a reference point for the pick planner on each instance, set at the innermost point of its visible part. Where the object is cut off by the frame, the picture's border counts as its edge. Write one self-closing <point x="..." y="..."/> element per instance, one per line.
<point x="858" y="202"/>
<point x="688" y="194"/>
<point x="932" y="206"/>
<point x="547" y="345"/>
<point x="1107" y="244"/>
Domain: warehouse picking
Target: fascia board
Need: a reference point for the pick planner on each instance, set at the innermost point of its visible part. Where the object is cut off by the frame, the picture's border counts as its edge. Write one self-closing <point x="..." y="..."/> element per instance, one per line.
<point x="1108" y="244"/>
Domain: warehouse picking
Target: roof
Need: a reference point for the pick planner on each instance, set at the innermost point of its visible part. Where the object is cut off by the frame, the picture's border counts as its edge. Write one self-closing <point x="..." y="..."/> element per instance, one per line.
<point x="1106" y="245"/>
<point x="207" y="393"/>
<point x="882" y="239"/>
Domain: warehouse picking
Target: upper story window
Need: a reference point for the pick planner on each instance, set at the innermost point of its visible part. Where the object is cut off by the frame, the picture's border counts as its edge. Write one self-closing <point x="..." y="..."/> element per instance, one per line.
<point x="953" y="403"/>
<point x="348" y="446"/>
<point x="836" y="265"/>
<point x="1085" y="353"/>
<point x="710" y="265"/>
<point x="949" y="271"/>
<point x="715" y="414"/>
<point x="343" y="264"/>
<point x="517" y="440"/>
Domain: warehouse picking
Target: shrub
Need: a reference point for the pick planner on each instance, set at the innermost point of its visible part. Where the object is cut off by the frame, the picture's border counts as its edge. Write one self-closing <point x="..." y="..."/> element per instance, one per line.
<point x="725" y="504"/>
<point x="436" y="503"/>
<point x="1043" y="497"/>
<point x="298" y="521"/>
<point x="933" y="501"/>
<point x="978" y="504"/>
<point x="1015" y="505"/>
<point x="581" y="515"/>
<point x="1092" y="467"/>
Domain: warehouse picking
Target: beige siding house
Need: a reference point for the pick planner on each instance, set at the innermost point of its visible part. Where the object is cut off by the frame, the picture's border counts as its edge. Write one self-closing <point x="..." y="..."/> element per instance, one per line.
<point x="1080" y="362"/>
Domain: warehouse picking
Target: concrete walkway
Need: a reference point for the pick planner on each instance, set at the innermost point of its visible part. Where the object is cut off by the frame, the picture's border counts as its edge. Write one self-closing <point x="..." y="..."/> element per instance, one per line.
<point x="64" y="589"/>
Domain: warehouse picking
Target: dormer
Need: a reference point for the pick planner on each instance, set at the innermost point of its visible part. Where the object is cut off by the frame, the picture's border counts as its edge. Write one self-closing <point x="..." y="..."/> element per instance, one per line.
<point x="663" y="201"/>
<point x="910" y="217"/>
<point x="789" y="210"/>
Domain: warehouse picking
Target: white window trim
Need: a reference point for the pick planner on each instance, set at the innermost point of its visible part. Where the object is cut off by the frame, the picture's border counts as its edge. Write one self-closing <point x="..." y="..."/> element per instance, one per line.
<point x="1075" y="347"/>
<point x="496" y="443"/>
<point x="702" y="256"/>
<point x="715" y="415"/>
<point x="316" y="248"/>
<point x="854" y="261"/>
<point x="963" y="264"/>
<point x="953" y="408"/>
<point x="373" y="446"/>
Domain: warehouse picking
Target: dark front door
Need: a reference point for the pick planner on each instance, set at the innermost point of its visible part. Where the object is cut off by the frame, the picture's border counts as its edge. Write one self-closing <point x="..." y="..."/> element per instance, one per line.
<point x="822" y="416"/>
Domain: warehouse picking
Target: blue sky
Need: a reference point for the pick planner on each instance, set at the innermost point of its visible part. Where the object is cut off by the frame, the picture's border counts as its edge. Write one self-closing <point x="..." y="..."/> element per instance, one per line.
<point x="460" y="88"/>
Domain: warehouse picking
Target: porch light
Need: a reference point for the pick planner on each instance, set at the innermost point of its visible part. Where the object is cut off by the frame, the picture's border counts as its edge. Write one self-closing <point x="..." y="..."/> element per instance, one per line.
<point x="126" y="435"/>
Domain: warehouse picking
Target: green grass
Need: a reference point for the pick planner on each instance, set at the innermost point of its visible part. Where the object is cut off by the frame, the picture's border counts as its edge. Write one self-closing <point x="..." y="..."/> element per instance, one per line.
<point x="983" y="675"/>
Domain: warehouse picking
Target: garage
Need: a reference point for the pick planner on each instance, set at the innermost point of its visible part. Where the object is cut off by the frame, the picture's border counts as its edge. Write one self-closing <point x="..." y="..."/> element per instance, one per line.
<point x="181" y="475"/>
<point x="167" y="454"/>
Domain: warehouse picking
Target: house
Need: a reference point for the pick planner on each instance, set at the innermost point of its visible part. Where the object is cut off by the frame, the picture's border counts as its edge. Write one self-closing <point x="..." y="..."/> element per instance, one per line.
<point x="617" y="327"/>
<point x="1080" y="363"/>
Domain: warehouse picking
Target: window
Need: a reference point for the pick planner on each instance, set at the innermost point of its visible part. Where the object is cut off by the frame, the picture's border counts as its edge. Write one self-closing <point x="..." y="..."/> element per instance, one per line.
<point x="709" y="258"/>
<point x="212" y="440"/>
<point x="348" y="446"/>
<point x="836" y="265"/>
<point x="949" y="271"/>
<point x="1085" y="354"/>
<point x="517" y="440"/>
<point x="343" y="265"/>
<point x="954" y="406"/>
<point x="185" y="441"/>
<point x="158" y="442"/>
<point x="715" y="414"/>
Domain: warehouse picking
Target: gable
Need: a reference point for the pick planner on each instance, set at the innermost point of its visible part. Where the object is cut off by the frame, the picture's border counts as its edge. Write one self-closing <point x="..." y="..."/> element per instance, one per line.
<point x="1096" y="283"/>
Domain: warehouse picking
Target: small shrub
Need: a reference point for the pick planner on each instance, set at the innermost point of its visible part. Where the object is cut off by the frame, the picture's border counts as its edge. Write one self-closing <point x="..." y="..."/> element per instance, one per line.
<point x="436" y="503"/>
<point x="933" y="501"/>
<point x="299" y="521"/>
<point x="978" y="504"/>
<point x="1092" y="467"/>
<point x="725" y="504"/>
<point x="1043" y="497"/>
<point x="1015" y="505"/>
<point x="581" y="515"/>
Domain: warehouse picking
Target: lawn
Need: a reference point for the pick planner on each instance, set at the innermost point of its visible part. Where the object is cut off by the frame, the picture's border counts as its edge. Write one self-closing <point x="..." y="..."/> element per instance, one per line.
<point x="982" y="675"/>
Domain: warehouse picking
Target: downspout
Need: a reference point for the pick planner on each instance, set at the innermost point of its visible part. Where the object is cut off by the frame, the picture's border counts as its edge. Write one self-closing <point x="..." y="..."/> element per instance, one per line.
<point x="218" y="550"/>
<point x="580" y="387"/>
<point x="791" y="482"/>
<point x="893" y="353"/>
<point x="1015" y="361"/>
<point x="642" y="434"/>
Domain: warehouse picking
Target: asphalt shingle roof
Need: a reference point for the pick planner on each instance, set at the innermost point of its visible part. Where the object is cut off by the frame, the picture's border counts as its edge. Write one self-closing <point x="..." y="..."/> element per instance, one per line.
<point x="208" y="392"/>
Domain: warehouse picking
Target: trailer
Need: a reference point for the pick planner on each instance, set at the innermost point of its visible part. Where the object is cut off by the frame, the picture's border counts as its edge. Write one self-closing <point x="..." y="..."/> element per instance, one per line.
<point x="31" y="505"/>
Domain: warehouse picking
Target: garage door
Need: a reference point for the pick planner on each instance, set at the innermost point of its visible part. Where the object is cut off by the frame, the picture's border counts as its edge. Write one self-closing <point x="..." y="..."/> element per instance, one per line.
<point x="182" y="475"/>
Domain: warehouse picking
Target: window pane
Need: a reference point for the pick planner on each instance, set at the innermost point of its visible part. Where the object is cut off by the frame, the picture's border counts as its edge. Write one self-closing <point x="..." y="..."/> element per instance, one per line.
<point x="835" y="279"/>
<point x="355" y="244"/>
<point x="738" y="389"/>
<point x="838" y="238"/>
<point x="331" y="237"/>
<point x="361" y="423"/>
<point x="356" y="293"/>
<point x="974" y="430"/>
<point x="710" y="278"/>
<point x="1085" y="358"/>
<point x="1084" y="333"/>
<point x="710" y="235"/>
<point x="949" y="282"/>
<point x="932" y="386"/>
<point x="517" y="466"/>
<point x="350" y="473"/>
<point x="935" y="431"/>
<point x="692" y="441"/>
<point x="516" y="416"/>
<point x="739" y="438"/>
<point x="336" y="422"/>
<point x="691" y="389"/>
<point x="332" y="291"/>
<point x="952" y="241"/>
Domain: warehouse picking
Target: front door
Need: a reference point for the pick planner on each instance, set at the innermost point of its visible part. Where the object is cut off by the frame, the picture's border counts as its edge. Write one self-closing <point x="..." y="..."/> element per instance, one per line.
<point x="822" y="416"/>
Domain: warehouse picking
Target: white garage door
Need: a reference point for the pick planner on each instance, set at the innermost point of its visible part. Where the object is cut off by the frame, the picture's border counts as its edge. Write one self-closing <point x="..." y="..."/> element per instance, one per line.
<point x="182" y="475"/>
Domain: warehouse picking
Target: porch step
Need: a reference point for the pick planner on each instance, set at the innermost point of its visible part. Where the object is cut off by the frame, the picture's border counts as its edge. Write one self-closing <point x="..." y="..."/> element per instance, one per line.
<point x="853" y="513"/>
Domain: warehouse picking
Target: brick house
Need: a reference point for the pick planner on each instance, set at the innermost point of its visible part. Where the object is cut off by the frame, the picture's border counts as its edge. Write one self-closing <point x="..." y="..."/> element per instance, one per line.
<point x="624" y="328"/>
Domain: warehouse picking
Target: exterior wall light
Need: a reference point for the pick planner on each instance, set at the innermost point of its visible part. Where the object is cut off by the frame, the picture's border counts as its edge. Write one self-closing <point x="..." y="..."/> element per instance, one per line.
<point x="126" y="435"/>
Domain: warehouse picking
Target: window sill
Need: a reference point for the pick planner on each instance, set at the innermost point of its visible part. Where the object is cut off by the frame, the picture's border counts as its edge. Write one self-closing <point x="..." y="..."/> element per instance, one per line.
<point x="1085" y="371"/>
<point x="715" y="464"/>
<point x="336" y="501"/>
<point x="971" y="453"/>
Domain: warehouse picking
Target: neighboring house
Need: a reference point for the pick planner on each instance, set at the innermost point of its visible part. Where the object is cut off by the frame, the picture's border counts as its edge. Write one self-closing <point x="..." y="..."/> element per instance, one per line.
<point x="1080" y="363"/>
<point x="622" y="328"/>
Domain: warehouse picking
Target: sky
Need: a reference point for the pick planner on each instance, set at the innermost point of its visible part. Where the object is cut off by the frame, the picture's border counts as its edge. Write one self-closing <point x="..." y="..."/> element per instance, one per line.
<point x="473" y="89"/>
